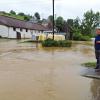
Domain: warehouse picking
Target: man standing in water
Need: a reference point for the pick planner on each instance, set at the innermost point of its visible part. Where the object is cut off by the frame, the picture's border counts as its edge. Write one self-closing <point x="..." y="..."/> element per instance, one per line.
<point x="97" y="48"/>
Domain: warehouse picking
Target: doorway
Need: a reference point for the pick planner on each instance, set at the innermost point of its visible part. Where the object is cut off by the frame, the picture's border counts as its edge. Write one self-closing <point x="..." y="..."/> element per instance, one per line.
<point x="18" y="36"/>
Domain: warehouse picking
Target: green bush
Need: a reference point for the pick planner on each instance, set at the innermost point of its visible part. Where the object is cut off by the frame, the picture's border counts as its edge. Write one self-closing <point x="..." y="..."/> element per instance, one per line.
<point x="54" y="43"/>
<point x="79" y="37"/>
<point x="85" y="38"/>
<point x="49" y="43"/>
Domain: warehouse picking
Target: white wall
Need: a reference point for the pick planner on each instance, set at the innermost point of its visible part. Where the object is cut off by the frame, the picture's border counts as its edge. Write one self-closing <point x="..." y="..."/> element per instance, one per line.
<point x="7" y="32"/>
<point x="25" y="34"/>
<point x="3" y="31"/>
<point x="10" y="33"/>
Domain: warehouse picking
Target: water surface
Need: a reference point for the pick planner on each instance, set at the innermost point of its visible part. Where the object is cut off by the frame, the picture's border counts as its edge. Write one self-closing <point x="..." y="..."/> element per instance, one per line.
<point x="30" y="72"/>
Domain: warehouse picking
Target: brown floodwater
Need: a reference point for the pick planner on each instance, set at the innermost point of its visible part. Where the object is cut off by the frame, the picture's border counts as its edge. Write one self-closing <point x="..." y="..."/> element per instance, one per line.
<point x="30" y="72"/>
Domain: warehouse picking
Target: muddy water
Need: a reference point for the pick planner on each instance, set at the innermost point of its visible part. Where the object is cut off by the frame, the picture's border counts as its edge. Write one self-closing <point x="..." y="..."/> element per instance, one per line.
<point x="30" y="72"/>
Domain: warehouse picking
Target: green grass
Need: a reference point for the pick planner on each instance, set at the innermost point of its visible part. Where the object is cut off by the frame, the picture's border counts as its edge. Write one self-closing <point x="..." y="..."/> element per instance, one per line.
<point x="89" y="64"/>
<point x="13" y="16"/>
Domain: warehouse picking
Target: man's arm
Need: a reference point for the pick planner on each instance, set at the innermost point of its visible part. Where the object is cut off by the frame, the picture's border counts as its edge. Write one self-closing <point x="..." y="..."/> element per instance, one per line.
<point x="97" y="41"/>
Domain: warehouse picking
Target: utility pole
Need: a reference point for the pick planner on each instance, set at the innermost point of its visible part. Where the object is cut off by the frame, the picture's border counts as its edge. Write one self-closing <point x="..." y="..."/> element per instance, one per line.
<point x="53" y="19"/>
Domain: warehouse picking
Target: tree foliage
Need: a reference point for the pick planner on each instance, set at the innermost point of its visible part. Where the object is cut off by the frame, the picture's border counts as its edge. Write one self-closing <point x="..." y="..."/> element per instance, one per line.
<point x="21" y="14"/>
<point x="89" y="22"/>
<point x="76" y="23"/>
<point x="70" y="22"/>
<point x="37" y="16"/>
<point x="59" y="23"/>
<point x="26" y="18"/>
<point x="50" y="18"/>
<point x="50" y="22"/>
<point x="12" y="12"/>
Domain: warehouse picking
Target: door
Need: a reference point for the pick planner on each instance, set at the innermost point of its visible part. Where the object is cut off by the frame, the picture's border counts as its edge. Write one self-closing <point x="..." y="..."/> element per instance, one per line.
<point x="18" y="35"/>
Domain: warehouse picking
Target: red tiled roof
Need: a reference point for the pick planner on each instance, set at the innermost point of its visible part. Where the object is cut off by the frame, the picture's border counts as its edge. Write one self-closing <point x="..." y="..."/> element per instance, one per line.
<point x="12" y="22"/>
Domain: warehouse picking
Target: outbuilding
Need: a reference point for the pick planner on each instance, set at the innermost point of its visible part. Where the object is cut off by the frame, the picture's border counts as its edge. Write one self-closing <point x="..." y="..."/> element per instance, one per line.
<point x="19" y="29"/>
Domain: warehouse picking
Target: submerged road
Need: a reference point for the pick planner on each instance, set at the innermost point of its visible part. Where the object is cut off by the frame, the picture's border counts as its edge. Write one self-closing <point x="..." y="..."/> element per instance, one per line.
<point x="30" y="72"/>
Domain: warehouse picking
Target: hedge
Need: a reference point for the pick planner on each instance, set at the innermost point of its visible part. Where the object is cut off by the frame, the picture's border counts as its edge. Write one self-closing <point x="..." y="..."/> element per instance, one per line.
<point x="54" y="43"/>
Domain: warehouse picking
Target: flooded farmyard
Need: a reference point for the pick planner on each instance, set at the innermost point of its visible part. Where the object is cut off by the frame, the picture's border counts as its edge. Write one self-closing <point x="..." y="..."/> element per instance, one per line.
<point x="30" y="72"/>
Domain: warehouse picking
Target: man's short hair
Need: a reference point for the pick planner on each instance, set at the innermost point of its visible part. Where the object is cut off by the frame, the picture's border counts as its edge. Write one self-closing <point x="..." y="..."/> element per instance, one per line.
<point x="98" y="27"/>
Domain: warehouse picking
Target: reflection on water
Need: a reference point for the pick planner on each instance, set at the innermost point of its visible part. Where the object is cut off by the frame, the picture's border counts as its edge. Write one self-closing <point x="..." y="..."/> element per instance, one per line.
<point x="30" y="72"/>
<point x="95" y="89"/>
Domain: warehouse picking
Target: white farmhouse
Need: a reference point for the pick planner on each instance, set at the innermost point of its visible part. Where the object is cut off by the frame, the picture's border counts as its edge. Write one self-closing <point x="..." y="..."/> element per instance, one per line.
<point x="18" y="29"/>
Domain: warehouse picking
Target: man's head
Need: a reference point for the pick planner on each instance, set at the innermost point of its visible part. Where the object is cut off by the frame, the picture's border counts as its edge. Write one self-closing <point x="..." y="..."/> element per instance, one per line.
<point x="98" y="30"/>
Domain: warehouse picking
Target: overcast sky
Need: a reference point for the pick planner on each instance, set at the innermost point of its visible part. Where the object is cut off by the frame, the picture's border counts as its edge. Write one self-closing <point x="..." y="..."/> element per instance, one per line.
<point x="64" y="8"/>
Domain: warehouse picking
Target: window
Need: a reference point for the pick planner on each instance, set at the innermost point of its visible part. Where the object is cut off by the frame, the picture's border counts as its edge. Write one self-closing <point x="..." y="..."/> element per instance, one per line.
<point x="14" y="29"/>
<point x="21" y="29"/>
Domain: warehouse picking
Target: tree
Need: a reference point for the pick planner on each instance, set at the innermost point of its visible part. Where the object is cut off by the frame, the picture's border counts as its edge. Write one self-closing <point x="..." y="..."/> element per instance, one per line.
<point x="26" y="18"/>
<point x="59" y="23"/>
<point x="70" y="22"/>
<point x="37" y="16"/>
<point x="64" y="27"/>
<point x="21" y="14"/>
<point x="76" y="23"/>
<point x="12" y="12"/>
<point x="50" y="18"/>
<point x="89" y="22"/>
<point x="50" y="22"/>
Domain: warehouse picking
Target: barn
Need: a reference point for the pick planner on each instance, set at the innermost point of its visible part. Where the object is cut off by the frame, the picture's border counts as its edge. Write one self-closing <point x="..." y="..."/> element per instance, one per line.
<point x="19" y="29"/>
